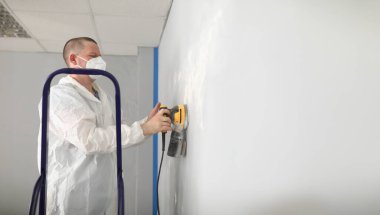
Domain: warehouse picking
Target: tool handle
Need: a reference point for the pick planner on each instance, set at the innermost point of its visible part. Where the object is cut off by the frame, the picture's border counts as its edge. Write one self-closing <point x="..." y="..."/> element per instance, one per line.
<point x="167" y="115"/>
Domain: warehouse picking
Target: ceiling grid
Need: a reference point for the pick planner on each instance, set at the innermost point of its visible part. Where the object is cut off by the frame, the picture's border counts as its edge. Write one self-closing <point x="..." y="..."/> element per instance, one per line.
<point x="119" y="26"/>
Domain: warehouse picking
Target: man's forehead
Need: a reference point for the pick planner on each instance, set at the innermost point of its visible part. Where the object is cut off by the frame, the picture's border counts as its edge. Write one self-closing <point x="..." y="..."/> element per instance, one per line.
<point x="91" y="48"/>
<point x="90" y="45"/>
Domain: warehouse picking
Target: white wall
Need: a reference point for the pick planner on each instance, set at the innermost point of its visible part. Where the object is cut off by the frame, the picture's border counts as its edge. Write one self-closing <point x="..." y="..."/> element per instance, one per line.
<point x="21" y="81"/>
<point x="284" y="101"/>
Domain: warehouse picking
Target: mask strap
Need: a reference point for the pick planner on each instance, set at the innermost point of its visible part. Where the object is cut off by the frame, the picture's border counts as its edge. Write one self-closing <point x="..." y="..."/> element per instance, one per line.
<point x="82" y="58"/>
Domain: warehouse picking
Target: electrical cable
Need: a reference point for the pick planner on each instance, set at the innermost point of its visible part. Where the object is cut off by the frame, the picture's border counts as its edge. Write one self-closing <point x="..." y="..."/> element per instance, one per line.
<point x="35" y="195"/>
<point x="162" y="158"/>
<point x="159" y="171"/>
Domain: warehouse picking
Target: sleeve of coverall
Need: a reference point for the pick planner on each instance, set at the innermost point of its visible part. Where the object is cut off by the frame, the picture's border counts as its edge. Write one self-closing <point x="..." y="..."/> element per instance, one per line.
<point x="72" y="119"/>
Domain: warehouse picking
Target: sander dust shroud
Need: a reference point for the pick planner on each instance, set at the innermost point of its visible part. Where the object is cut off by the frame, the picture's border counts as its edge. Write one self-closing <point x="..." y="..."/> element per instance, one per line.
<point x="177" y="143"/>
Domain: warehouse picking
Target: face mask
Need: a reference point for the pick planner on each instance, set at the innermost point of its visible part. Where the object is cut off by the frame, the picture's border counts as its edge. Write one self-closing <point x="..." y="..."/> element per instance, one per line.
<point x="95" y="63"/>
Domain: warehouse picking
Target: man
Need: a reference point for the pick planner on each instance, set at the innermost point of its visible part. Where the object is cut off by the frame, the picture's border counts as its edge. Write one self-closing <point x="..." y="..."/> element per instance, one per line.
<point x="81" y="173"/>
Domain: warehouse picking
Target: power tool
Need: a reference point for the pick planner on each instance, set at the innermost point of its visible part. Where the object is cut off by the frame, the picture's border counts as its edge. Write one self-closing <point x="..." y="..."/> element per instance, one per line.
<point x="177" y="144"/>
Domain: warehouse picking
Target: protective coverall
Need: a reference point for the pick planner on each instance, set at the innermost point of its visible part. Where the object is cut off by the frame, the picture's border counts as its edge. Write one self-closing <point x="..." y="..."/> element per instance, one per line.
<point x="81" y="175"/>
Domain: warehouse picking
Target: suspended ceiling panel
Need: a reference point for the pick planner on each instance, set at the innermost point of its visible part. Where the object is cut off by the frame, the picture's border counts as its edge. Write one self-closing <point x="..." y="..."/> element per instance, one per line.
<point x="137" y="8"/>
<point x="55" y="26"/>
<point x="19" y="45"/>
<point x="142" y="35"/>
<point x="119" y="26"/>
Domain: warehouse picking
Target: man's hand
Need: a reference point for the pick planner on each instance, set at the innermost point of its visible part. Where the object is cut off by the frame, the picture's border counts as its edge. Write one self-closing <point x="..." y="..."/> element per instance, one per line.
<point x="154" y="110"/>
<point x="157" y="122"/>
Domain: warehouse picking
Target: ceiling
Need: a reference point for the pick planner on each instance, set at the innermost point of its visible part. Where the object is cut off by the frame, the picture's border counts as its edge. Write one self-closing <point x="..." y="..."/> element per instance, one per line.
<point x="119" y="26"/>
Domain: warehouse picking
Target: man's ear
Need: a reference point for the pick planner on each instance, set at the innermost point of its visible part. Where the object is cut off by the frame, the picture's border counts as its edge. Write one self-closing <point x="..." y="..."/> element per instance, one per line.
<point x="72" y="59"/>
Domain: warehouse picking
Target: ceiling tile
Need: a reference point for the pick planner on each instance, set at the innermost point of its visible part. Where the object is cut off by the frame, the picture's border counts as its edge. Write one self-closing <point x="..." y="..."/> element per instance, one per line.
<point x="140" y="8"/>
<point x="118" y="49"/>
<point x="51" y="6"/>
<point x="53" y="45"/>
<point x="130" y="30"/>
<point x="20" y="45"/>
<point x="53" y="26"/>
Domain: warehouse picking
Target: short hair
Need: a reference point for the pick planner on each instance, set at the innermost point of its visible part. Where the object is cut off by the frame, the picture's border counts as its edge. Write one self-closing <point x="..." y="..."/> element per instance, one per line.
<point x="76" y="45"/>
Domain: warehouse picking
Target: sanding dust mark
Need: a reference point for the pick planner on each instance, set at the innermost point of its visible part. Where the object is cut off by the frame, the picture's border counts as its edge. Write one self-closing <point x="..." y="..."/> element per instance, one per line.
<point x="192" y="76"/>
<point x="193" y="71"/>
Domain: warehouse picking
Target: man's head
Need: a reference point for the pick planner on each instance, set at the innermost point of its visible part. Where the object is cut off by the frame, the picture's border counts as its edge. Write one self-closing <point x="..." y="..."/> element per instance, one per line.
<point x="79" y="50"/>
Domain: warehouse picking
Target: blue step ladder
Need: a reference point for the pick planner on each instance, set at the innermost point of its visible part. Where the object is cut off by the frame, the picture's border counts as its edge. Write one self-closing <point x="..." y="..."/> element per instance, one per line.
<point x="39" y="191"/>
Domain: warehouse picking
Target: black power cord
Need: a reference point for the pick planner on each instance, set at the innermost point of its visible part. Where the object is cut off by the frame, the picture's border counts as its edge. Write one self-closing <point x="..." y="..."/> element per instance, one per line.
<point x="162" y="158"/>
<point x="159" y="171"/>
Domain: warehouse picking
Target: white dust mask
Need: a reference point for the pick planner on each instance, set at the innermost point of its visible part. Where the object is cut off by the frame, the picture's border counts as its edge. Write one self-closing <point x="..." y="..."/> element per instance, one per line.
<point x="95" y="63"/>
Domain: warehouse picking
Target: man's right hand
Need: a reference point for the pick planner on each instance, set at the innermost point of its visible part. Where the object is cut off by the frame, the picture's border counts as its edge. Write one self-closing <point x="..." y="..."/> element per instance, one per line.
<point x="157" y="123"/>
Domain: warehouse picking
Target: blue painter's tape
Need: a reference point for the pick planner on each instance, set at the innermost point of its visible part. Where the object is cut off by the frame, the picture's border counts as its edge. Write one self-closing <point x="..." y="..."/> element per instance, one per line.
<point x="155" y="137"/>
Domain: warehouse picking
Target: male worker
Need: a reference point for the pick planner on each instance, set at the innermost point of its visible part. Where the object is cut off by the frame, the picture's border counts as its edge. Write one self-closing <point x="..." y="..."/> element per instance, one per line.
<point x="82" y="137"/>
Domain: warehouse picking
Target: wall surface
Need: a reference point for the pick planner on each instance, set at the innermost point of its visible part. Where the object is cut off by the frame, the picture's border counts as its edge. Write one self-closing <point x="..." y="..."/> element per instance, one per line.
<point x="22" y="76"/>
<point x="283" y="100"/>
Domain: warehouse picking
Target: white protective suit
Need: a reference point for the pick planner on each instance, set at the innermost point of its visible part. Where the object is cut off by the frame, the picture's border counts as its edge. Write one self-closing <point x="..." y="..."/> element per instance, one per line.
<point x="81" y="177"/>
